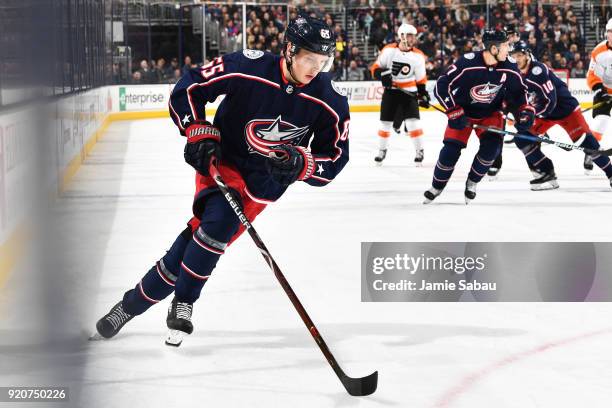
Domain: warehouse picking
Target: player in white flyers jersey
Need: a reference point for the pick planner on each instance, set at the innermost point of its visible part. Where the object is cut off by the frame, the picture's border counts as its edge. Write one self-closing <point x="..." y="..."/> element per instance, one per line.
<point x="401" y="69"/>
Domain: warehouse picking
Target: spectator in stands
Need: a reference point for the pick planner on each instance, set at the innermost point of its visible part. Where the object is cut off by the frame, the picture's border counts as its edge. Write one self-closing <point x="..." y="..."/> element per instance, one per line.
<point x="578" y="71"/>
<point x="137" y="78"/>
<point x="160" y="70"/>
<point x="177" y="75"/>
<point x="170" y="68"/>
<point x="354" y="73"/>
<point x="147" y="76"/>
<point x="187" y="66"/>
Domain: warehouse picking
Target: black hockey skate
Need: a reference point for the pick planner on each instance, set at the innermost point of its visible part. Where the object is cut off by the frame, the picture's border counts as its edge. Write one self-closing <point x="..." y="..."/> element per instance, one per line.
<point x="431" y="195"/>
<point x="470" y="191"/>
<point x="495" y="168"/>
<point x="547" y="181"/>
<point x="536" y="173"/>
<point x="179" y="322"/>
<point x="418" y="157"/>
<point x="588" y="164"/>
<point x="109" y="325"/>
<point x="382" y="153"/>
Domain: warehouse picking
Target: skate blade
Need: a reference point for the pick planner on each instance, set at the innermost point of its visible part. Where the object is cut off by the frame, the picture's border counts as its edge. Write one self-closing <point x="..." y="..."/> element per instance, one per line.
<point x="492" y="178"/>
<point x="427" y="201"/>
<point x="418" y="164"/>
<point x="587" y="172"/>
<point x="378" y="163"/>
<point x="96" y="337"/>
<point x="174" y="338"/>
<point x="544" y="187"/>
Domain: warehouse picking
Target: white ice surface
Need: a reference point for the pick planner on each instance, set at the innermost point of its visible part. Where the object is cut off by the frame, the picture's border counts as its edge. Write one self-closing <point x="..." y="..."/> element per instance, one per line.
<point x="250" y="349"/>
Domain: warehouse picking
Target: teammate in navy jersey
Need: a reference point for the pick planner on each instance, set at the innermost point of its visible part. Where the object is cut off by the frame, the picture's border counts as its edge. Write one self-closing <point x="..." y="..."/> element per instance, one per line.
<point x="472" y="91"/>
<point x="554" y="105"/>
<point x="282" y="120"/>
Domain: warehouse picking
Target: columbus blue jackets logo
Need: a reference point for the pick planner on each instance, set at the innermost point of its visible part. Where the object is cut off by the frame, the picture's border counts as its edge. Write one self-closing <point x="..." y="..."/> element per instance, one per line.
<point x="484" y="93"/>
<point x="263" y="134"/>
<point x="532" y="98"/>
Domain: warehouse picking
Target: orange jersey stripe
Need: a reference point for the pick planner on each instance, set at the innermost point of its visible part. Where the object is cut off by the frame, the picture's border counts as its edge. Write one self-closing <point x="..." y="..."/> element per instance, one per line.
<point x="403" y="85"/>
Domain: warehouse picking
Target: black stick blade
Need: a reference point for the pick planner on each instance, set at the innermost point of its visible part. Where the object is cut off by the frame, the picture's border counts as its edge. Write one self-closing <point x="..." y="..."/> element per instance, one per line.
<point x="359" y="387"/>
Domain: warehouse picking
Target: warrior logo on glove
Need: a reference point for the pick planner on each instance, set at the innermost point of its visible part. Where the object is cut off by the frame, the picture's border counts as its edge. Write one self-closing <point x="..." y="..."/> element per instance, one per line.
<point x="263" y="134"/>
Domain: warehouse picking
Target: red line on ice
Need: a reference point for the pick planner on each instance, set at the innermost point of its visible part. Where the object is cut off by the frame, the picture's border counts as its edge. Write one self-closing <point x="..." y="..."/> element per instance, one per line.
<point x="450" y="396"/>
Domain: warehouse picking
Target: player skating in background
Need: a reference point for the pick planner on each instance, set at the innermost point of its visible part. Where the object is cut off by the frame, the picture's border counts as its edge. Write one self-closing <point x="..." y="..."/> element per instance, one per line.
<point x="554" y="105"/>
<point x="599" y="79"/>
<point x="281" y="121"/>
<point x="472" y="90"/>
<point x="401" y="69"/>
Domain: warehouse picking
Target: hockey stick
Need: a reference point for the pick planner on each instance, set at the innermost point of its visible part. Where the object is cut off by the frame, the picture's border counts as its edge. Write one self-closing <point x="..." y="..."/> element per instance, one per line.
<point x="354" y="386"/>
<point x="597" y="105"/>
<point x="564" y="146"/>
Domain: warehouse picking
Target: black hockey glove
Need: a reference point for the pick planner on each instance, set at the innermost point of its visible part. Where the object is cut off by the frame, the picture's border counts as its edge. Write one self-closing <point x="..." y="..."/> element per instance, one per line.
<point x="290" y="163"/>
<point x="456" y="118"/>
<point x="525" y="118"/>
<point x="423" y="96"/>
<point x="601" y="94"/>
<point x="386" y="80"/>
<point x="203" y="146"/>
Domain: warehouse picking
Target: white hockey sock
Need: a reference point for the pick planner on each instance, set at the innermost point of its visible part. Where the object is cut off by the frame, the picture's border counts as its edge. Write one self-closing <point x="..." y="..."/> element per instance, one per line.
<point x="415" y="132"/>
<point x="384" y="132"/>
<point x="383" y="143"/>
<point x="600" y="123"/>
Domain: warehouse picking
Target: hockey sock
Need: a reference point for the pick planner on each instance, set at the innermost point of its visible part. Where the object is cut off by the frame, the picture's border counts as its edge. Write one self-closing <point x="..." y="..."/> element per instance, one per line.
<point x="490" y="148"/>
<point x="534" y="155"/>
<point x="600" y="123"/>
<point x="446" y="163"/>
<point x="159" y="281"/>
<point x="603" y="162"/>
<point x="218" y="224"/>
<point x="413" y="128"/>
<point x="384" y="133"/>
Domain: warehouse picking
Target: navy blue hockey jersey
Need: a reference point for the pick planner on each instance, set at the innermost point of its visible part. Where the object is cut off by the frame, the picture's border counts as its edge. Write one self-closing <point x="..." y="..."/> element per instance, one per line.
<point x="548" y="93"/>
<point x="261" y="110"/>
<point x="480" y="89"/>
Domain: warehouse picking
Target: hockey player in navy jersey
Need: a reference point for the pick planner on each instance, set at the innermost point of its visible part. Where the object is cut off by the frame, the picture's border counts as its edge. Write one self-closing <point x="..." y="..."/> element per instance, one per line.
<point x="282" y="121"/>
<point x="554" y="105"/>
<point x="472" y="90"/>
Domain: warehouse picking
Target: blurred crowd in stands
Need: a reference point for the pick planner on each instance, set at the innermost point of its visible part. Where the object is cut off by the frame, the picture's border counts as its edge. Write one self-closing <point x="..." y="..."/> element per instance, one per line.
<point x="446" y="30"/>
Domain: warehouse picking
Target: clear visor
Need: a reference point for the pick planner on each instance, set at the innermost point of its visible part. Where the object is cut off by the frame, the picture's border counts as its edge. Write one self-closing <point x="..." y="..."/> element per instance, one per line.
<point x="321" y="63"/>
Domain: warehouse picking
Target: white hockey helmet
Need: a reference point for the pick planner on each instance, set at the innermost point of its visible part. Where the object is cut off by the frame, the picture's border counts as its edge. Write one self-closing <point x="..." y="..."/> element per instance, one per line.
<point x="406" y="28"/>
<point x="609" y="25"/>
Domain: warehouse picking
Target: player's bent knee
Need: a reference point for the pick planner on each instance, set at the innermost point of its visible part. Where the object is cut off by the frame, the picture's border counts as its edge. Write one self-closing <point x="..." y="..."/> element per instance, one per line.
<point x="454" y="144"/>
